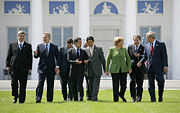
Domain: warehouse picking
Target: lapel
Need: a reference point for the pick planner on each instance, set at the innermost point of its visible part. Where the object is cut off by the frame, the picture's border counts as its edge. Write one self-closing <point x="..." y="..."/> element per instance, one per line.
<point x="149" y="49"/>
<point x="17" y="46"/>
<point x="140" y="48"/>
<point x="24" y="45"/>
<point x="88" y="51"/>
<point x="65" y="50"/>
<point x="95" y="50"/>
<point x="50" y="49"/>
<point x="155" y="47"/>
<point x="133" y="49"/>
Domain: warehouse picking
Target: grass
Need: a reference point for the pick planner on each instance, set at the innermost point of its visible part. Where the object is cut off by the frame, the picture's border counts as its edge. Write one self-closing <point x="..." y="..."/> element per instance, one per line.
<point x="105" y="104"/>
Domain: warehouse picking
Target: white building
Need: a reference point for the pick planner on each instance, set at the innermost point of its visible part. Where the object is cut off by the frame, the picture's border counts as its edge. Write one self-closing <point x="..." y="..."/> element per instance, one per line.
<point x="103" y="19"/>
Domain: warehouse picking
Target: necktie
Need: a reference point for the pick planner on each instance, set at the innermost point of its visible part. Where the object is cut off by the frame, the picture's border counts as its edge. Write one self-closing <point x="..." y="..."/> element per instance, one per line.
<point x="91" y="51"/>
<point x="46" y="49"/>
<point x="20" y="46"/>
<point x="136" y="49"/>
<point x="152" y="49"/>
<point x="78" y="53"/>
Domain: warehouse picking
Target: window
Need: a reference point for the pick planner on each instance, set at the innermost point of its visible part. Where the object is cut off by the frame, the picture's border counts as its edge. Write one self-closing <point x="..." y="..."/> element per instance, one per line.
<point x="12" y="33"/>
<point x="60" y="35"/>
<point x="144" y="30"/>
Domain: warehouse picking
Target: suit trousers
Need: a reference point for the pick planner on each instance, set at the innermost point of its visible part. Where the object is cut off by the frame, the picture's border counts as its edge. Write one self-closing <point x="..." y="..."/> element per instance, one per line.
<point x="152" y="75"/>
<point x="119" y="79"/>
<point x="50" y="85"/>
<point x="137" y="77"/>
<point x="20" y="77"/>
<point x="65" y="80"/>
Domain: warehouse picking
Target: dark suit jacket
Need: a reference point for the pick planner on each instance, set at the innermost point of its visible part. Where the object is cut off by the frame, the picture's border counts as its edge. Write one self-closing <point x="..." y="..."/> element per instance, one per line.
<point x="131" y="51"/>
<point x="47" y="62"/>
<point x="19" y="60"/>
<point x="159" y="58"/>
<point x="96" y="62"/>
<point x="64" y="64"/>
<point x="72" y="57"/>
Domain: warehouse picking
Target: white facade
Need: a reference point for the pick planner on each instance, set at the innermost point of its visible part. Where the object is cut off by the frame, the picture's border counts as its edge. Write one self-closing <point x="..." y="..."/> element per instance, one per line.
<point x="105" y="20"/>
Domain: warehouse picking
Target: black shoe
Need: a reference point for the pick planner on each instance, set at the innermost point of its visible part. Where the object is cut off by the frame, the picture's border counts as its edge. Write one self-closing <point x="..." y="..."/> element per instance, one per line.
<point x="49" y="101"/>
<point x="15" y="99"/>
<point x="81" y="99"/>
<point x="134" y="100"/>
<point x="124" y="100"/>
<point x="69" y="99"/>
<point x="153" y="100"/>
<point x="38" y="101"/>
<point x="21" y="102"/>
<point x="160" y="99"/>
<point x="138" y="99"/>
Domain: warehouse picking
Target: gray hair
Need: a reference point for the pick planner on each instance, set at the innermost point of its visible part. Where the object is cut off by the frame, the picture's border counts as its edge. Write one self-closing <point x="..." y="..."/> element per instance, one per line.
<point x="21" y="32"/>
<point x="151" y="34"/>
<point x="48" y="34"/>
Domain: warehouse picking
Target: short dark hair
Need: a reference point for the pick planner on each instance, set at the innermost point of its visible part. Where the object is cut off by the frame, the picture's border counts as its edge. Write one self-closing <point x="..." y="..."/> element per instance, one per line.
<point x="137" y="36"/>
<point x="76" y="39"/>
<point x="90" y="38"/>
<point x="69" y="41"/>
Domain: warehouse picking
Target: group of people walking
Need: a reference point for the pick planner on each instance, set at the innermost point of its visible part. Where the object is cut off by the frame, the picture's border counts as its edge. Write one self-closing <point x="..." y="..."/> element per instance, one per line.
<point x="74" y="62"/>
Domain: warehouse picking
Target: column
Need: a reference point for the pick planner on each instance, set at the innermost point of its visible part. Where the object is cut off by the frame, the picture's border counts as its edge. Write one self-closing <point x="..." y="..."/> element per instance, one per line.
<point x="84" y="23"/>
<point x="37" y="29"/>
<point x="130" y="21"/>
<point x="175" y="40"/>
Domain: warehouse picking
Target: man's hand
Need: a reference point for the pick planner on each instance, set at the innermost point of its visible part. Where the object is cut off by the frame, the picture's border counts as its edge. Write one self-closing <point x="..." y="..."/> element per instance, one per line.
<point x="29" y="72"/>
<point x="56" y="69"/>
<point x="8" y="69"/>
<point x="35" y="52"/>
<point x="78" y="62"/>
<point x="136" y="55"/>
<point x="59" y="72"/>
<point x="165" y="69"/>
<point x="107" y="73"/>
<point x="139" y="64"/>
<point x="86" y="61"/>
<point x="130" y="71"/>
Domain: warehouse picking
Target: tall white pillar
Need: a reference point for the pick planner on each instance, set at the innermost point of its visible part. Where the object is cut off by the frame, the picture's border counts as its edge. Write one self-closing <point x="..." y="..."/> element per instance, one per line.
<point x="84" y="23"/>
<point x="37" y="29"/>
<point x="130" y="21"/>
<point x="176" y="40"/>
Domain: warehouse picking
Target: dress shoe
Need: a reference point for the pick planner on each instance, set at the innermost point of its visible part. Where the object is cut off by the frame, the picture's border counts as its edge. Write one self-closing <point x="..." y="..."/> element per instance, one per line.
<point x="153" y="100"/>
<point x="138" y="99"/>
<point x="38" y="101"/>
<point x="124" y="100"/>
<point x="134" y="100"/>
<point x="160" y="99"/>
<point x="15" y="100"/>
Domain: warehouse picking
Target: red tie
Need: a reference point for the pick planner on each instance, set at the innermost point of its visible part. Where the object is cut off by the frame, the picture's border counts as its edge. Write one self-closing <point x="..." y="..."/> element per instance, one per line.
<point x="152" y="49"/>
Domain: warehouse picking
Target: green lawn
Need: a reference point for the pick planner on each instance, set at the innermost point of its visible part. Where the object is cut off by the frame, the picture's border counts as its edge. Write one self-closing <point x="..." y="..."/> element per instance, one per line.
<point x="105" y="104"/>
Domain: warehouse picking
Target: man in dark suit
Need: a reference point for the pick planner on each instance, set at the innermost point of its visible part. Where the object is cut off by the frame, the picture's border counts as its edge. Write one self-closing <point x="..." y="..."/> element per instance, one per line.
<point x="64" y="69"/>
<point x="19" y="64"/>
<point x="77" y="57"/>
<point x="157" y="64"/>
<point x="94" y="67"/>
<point x="136" y="52"/>
<point x="47" y="68"/>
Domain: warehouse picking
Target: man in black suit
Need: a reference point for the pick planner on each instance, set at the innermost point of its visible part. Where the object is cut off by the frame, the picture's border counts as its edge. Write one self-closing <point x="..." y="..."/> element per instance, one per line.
<point x="155" y="54"/>
<point x="94" y="67"/>
<point x="19" y="64"/>
<point x="77" y="57"/>
<point x="64" y="70"/>
<point x="136" y="52"/>
<point x="47" y="68"/>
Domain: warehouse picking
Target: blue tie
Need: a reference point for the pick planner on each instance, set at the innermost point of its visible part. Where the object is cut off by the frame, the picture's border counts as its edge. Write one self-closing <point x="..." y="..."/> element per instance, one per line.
<point x="20" y="46"/>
